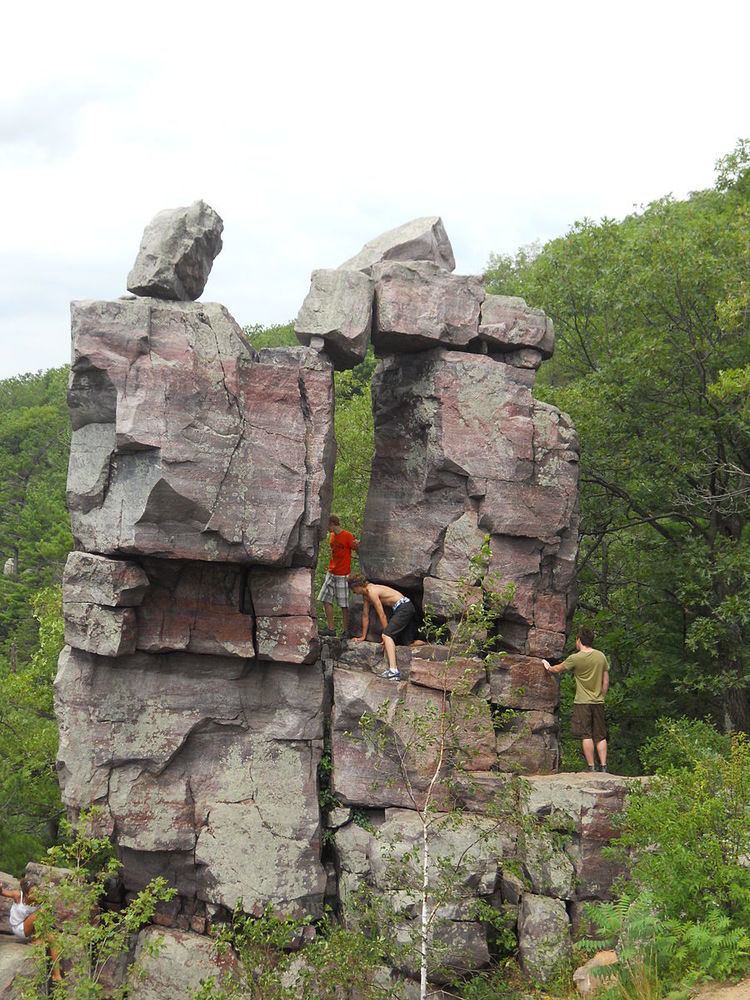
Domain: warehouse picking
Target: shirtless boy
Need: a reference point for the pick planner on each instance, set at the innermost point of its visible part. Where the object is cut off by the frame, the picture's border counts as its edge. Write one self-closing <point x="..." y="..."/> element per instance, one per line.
<point x="379" y="597"/>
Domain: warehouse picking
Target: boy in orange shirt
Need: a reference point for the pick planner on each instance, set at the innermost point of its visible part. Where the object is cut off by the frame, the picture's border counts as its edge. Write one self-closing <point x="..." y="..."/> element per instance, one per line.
<point x="336" y="584"/>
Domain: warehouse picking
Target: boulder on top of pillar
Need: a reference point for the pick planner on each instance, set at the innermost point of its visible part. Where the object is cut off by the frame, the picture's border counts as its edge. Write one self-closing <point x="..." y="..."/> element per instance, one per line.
<point x="420" y="239"/>
<point x="177" y="253"/>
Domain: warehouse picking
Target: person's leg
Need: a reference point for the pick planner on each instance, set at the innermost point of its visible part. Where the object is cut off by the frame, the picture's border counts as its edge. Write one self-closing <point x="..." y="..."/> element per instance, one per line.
<point x="328" y="608"/>
<point x="588" y="751"/>
<point x="345" y="620"/>
<point x="390" y="651"/>
<point x="600" y="734"/>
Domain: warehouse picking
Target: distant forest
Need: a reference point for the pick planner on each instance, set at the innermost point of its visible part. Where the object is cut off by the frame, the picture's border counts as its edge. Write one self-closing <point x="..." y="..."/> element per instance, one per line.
<point x="652" y="361"/>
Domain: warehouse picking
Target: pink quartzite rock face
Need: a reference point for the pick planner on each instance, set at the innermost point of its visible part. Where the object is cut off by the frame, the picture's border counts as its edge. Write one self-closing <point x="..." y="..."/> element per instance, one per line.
<point x="179" y="433"/>
<point x="200" y="756"/>
<point x="419" y="306"/>
<point x="463" y="450"/>
<point x="114" y="583"/>
<point x="508" y="324"/>
<point x="195" y="607"/>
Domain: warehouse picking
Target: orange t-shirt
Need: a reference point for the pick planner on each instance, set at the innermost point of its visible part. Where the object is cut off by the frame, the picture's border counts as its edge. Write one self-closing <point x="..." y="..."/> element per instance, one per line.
<point x="342" y="543"/>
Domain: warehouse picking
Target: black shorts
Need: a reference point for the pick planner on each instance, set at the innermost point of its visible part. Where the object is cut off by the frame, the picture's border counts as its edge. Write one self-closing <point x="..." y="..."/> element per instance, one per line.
<point x="588" y="722"/>
<point x="400" y="627"/>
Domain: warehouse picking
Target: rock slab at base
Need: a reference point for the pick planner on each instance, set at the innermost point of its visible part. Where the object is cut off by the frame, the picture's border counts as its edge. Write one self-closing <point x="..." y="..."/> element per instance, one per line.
<point x="176" y="970"/>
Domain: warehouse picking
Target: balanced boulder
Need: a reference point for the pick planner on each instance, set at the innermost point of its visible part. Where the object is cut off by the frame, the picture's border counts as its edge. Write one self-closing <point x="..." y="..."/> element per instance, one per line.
<point x="177" y="253"/>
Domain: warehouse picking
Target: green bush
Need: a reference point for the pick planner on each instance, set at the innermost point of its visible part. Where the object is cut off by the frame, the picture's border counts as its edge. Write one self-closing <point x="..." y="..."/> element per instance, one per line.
<point x="684" y="910"/>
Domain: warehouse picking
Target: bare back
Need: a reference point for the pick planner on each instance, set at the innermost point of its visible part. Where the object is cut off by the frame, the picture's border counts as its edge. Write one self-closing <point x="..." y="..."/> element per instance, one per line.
<point x="386" y="595"/>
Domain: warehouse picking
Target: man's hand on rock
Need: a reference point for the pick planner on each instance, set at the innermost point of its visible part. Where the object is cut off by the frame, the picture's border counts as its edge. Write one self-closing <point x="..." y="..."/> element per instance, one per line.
<point x="358" y="638"/>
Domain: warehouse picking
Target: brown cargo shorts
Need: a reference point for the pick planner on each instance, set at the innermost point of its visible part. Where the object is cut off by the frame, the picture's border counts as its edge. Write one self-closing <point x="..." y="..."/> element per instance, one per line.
<point x="588" y="722"/>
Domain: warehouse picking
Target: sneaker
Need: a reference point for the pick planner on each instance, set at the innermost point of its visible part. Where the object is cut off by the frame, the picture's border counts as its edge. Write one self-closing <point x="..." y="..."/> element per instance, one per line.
<point x="591" y="768"/>
<point x="603" y="769"/>
<point x="391" y="675"/>
<point x="328" y="632"/>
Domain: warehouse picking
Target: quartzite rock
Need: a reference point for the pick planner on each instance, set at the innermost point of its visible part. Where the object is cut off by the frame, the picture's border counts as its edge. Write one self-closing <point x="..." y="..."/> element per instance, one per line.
<point x="366" y="775"/>
<point x="508" y="324"/>
<point x="457" y="433"/>
<point x="102" y="630"/>
<point x="8" y="882"/>
<point x="17" y="967"/>
<point x="475" y="847"/>
<point x="177" y="253"/>
<point x="338" y="308"/>
<point x="528" y="743"/>
<point x="522" y="682"/>
<point x="190" y="756"/>
<point x="420" y="239"/>
<point x="419" y="306"/>
<point x="174" y="963"/>
<point x="587" y="804"/>
<point x="543" y="936"/>
<point x="195" y="607"/>
<point x="199" y="451"/>
<point x="93" y="579"/>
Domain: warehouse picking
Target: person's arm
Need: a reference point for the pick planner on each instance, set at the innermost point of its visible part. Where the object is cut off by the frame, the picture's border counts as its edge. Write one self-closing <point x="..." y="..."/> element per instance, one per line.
<point x="10" y="893"/>
<point x="557" y="669"/>
<point x="605" y="682"/>
<point x="365" y="618"/>
<point x="355" y="544"/>
<point x="382" y="617"/>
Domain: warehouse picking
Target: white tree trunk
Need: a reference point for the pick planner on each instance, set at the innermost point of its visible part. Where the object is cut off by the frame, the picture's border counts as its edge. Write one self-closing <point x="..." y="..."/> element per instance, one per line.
<point x="424" y="927"/>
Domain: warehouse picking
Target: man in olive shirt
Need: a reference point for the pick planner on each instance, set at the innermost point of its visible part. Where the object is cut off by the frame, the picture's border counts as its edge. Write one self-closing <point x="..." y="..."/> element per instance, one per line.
<point x="591" y="671"/>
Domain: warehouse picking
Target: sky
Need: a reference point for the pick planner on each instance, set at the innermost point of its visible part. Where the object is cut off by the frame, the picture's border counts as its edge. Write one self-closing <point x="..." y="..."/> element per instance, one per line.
<point x="312" y="127"/>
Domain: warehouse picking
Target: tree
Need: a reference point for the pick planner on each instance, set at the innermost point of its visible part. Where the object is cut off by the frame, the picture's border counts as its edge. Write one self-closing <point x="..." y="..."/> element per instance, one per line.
<point x="651" y="362"/>
<point x="683" y="912"/>
<point x="34" y="526"/>
<point x="29" y="793"/>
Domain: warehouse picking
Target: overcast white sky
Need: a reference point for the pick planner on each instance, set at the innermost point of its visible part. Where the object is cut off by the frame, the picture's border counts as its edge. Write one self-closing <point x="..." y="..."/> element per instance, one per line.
<point x="313" y="126"/>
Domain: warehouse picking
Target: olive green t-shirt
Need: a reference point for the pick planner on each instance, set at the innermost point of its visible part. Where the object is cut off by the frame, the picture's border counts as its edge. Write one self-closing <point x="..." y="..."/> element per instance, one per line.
<point x="589" y="669"/>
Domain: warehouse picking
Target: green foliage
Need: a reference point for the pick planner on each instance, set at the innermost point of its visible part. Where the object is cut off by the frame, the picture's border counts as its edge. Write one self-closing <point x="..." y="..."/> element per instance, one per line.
<point x="468" y="625"/>
<point x="680" y="743"/>
<point x="684" y="911"/>
<point x="651" y="362"/>
<point x="276" y="335"/>
<point x="270" y="966"/>
<point x="86" y="938"/>
<point x="34" y="444"/>
<point x="28" y="744"/>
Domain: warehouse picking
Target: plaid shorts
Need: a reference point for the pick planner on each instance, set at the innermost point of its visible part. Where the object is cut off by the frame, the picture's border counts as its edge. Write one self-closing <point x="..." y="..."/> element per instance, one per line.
<point x="335" y="589"/>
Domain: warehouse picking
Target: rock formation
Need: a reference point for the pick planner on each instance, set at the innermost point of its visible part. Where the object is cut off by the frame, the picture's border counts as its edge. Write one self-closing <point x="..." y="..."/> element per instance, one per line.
<point x="199" y="485"/>
<point x="193" y="696"/>
<point x="177" y="253"/>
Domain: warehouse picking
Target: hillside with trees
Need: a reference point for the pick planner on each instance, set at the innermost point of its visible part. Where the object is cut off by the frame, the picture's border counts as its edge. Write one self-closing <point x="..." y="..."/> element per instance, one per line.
<point x="652" y="362"/>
